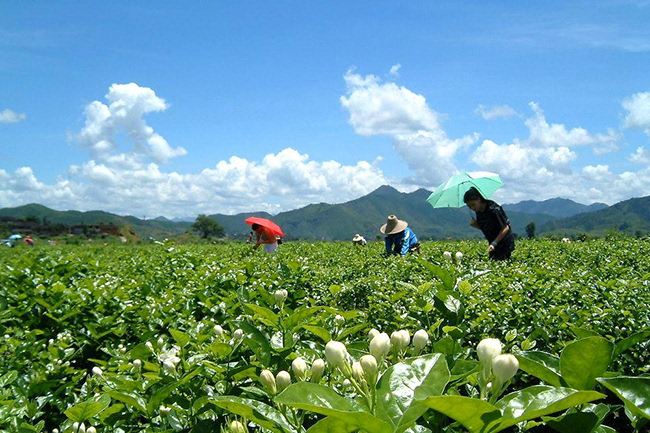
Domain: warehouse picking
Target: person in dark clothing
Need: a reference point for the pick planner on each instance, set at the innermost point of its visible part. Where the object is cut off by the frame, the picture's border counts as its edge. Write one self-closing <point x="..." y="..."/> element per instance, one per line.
<point x="492" y="220"/>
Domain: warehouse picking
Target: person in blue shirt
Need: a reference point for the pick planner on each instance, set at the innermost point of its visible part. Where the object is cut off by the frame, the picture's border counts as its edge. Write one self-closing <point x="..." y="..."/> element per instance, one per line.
<point x="400" y="239"/>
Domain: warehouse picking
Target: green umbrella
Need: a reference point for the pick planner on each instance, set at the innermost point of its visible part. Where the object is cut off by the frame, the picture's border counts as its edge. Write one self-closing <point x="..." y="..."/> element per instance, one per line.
<point x="451" y="192"/>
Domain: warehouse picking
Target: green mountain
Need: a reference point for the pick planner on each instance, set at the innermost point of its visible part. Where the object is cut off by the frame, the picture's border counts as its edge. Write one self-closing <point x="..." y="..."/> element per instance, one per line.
<point x="628" y="216"/>
<point x="556" y="207"/>
<point x="366" y="214"/>
<point x="144" y="228"/>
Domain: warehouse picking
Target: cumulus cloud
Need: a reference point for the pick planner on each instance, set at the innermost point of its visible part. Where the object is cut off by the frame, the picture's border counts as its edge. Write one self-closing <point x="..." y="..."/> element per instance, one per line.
<point x="641" y="156"/>
<point x="495" y="112"/>
<point x="638" y="108"/>
<point x="384" y="108"/>
<point x="127" y="104"/>
<point x="8" y="116"/>
<point x="394" y="70"/>
<point x="540" y="166"/>
<point x="279" y="181"/>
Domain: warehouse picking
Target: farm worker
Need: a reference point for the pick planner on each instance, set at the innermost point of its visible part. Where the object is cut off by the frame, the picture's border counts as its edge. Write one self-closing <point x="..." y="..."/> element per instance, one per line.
<point x="492" y="220"/>
<point x="250" y="238"/>
<point x="265" y="237"/>
<point x="359" y="240"/>
<point x="400" y="239"/>
<point x="28" y="241"/>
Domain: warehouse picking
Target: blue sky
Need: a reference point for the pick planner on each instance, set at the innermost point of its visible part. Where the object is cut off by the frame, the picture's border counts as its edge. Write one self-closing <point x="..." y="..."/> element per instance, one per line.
<point x="263" y="82"/>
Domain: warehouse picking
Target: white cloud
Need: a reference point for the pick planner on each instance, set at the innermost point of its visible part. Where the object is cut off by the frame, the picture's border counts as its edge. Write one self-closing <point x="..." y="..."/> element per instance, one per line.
<point x="394" y="70"/>
<point x="638" y="108"/>
<point x="641" y="156"/>
<point x="126" y="184"/>
<point x="378" y="108"/>
<point x="556" y="135"/>
<point x="495" y="112"/>
<point x="127" y="105"/>
<point x="8" y="116"/>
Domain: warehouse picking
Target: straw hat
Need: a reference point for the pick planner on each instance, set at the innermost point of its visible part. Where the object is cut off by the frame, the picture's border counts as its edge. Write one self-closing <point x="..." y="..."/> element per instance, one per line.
<point x="357" y="238"/>
<point x="393" y="225"/>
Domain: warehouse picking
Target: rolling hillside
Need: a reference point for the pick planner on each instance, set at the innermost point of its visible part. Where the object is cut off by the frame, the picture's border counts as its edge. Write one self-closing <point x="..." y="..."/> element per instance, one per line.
<point x="366" y="214"/>
<point x="556" y="207"/>
<point x="629" y="216"/>
<point x="144" y="228"/>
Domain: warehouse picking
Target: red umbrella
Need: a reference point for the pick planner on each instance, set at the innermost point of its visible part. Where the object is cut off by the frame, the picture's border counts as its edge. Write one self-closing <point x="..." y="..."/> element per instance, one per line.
<point x="265" y="223"/>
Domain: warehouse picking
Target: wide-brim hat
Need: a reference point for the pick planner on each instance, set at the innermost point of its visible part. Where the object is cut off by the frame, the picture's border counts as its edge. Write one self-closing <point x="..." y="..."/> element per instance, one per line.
<point x="393" y="225"/>
<point x="357" y="237"/>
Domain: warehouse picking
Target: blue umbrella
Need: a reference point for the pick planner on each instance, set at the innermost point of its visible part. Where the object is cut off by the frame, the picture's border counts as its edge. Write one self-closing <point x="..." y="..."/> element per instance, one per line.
<point x="14" y="237"/>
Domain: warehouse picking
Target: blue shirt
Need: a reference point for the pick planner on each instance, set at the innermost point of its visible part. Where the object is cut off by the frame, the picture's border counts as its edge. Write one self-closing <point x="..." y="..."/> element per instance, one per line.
<point x="400" y="243"/>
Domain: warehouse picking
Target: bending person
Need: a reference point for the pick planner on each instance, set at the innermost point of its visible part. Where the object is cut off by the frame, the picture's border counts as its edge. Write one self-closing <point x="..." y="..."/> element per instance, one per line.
<point x="266" y="237"/>
<point x="492" y="220"/>
<point x="400" y="239"/>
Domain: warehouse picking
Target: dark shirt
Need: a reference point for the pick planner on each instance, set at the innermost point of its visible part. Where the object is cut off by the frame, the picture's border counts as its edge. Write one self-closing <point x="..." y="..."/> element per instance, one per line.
<point x="491" y="221"/>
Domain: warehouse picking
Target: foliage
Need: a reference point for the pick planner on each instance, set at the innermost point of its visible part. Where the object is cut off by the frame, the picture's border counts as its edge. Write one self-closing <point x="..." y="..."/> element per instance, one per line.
<point x="207" y="227"/>
<point x="168" y="337"/>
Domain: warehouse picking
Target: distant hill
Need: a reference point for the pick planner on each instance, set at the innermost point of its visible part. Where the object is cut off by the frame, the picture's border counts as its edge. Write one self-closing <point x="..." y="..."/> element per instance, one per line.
<point x="144" y="228"/>
<point x="366" y="214"/>
<point x="556" y="207"/>
<point x="628" y="216"/>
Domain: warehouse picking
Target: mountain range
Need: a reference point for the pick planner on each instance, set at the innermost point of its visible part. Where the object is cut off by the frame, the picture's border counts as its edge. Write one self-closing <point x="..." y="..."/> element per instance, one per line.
<point x="366" y="214"/>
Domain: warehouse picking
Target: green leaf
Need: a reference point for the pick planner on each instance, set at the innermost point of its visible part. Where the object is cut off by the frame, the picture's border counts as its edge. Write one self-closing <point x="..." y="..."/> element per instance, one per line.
<point x="320" y="332"/>
<point x="543" y="366"/>
<point x="181" y="338"/>
<point x="442" y="274"/>
<point x="86" y="410"/>
<point x="630" y="341"/>
<point x="300" y="315"/>
<point x="537" y="401"/>
<point x="266" y="315"/>
<point x="130" y="400"/>
<point x="472" y="413"/>
<point x="257" y="342"/>
<point x="261" y="414"/>
<point x="406" y="382"/>
<point x="633" y="391"/>
<point x="324" y="400"/>
<point x="332" y="425"/>
<point x="8" y="378"/>
<point x="582" y="361"/>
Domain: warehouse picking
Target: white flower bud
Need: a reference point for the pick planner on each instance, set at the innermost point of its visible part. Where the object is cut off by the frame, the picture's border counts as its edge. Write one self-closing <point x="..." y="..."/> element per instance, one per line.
<point x="369" y="366"/>
<point x="317" y="370"/>
<point x="459" y="257"/>
<point x="339" y="320"/>
<point x="56" y="430"/>
<point x="239" y="334"/>
<point x="81" y="428"/>
<point x="149" y="345"/>
<point x="505" y="367"/>
<point x="236" y="427"/>
<point x="50" y="341"/>
<point x="346" y="384"/>
<point x="400" y="340"/>
<point x="299" y="367"/>
<point x="91" y="429"/>
<point x="218" y="330"/>
<point x="380" y="346"/>
<point x="372" y="334"/>
<point x="357" y="371"/>
<point x="169" y="366"/>
<point x="487" y="350"/>
<point x="164" y="410"/>
<point x="337" y="354"/>
<point x="280" y="296"/>
<point x="420" y="340"/>
<point x="283" y="380"/>
<point x="7" y="336"/>
<point x="137" y="364"/>
<point x="160" y="342"/>
<point x="447" y="256"/>
<point x="268" y="381"/>
<point x="97" y="371"/>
